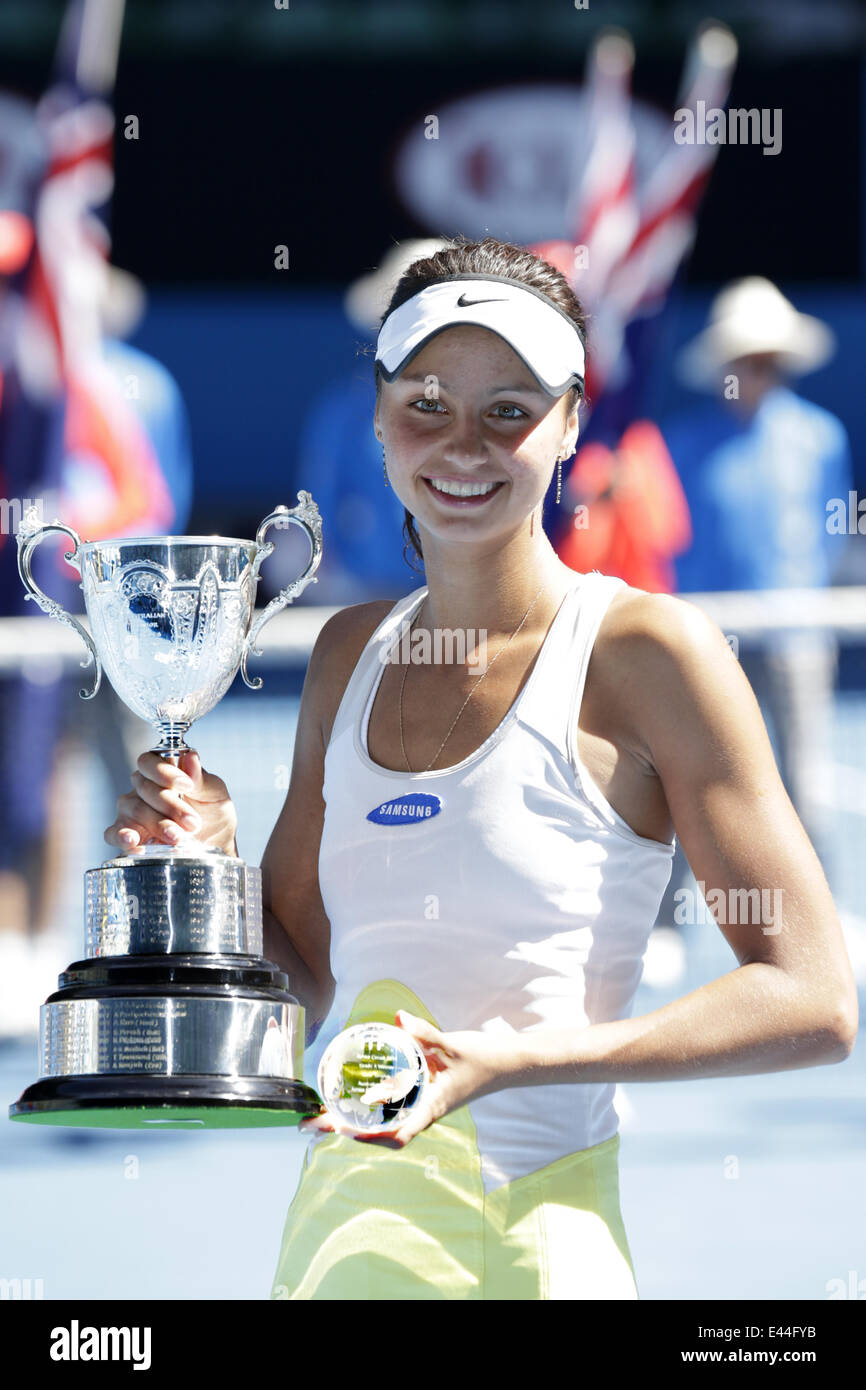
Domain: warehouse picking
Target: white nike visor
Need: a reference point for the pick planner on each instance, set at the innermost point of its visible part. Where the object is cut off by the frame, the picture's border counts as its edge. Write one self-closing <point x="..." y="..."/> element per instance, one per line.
<point x="545" y="339"/>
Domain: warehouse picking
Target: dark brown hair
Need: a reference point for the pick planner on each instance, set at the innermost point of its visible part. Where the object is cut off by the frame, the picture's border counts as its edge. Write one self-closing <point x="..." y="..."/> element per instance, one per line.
<point x="487" y="257"/>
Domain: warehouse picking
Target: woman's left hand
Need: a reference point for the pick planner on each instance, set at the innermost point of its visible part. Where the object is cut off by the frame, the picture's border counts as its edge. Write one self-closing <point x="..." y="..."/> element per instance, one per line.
<point x="462" y="1067"/>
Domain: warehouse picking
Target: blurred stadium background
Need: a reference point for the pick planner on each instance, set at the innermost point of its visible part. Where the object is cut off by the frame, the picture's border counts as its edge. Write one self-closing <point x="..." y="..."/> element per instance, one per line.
<point x="238" y="131"/>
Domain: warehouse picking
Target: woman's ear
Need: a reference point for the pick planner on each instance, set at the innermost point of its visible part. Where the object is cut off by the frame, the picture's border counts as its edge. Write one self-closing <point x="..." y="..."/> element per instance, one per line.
<point x="572" y="429"/>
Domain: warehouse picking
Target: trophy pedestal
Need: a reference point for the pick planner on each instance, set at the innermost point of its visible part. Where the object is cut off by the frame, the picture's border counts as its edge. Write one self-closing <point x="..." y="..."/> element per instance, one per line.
<point x="183" y="1024"/>
<point x="174" y="1102"/>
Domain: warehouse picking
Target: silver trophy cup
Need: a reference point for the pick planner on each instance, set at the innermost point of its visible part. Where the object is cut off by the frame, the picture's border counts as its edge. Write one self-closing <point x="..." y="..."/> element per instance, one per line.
<point x="172" y="1017"/>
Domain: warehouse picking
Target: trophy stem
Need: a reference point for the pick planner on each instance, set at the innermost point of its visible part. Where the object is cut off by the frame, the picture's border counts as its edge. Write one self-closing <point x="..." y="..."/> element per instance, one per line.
<point x="172" y="742"/>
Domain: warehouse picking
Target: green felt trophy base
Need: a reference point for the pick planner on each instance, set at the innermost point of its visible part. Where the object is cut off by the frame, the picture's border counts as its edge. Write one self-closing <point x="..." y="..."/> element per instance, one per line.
<point x="166" y="1102"/>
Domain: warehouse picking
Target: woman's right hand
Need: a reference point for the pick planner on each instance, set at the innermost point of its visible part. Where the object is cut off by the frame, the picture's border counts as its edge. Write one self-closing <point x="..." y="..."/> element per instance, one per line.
<point x="163" y="794"/>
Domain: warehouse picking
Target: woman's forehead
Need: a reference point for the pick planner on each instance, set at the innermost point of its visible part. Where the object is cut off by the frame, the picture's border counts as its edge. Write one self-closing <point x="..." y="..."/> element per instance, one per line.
<point x="469" y="337"/>
<point x="479" y="355"/>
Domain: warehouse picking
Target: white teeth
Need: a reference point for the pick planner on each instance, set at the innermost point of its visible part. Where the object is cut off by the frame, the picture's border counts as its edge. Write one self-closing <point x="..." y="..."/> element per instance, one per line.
<point x="461" y="489"/>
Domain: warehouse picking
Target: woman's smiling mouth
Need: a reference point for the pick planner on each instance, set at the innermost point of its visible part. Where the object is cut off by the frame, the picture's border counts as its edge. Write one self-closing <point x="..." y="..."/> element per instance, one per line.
<point x="462" y="493"/>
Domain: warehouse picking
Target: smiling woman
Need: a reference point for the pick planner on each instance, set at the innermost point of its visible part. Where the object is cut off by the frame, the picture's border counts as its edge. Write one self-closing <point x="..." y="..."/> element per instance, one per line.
<point x="506" y="929"/>
<point x="522" y="299"/>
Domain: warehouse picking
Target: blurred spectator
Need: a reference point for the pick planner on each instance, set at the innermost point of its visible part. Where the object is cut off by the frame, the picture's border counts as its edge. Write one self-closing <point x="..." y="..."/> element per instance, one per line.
<point x="91" y="433"/>
<point x="90" y="493"/>
<point x="630" y="513"/>
<point x="31" y="426"/>
<point x="111" y="457"/>
<point x="759" y="465"/>
<point x="340" y="460"/>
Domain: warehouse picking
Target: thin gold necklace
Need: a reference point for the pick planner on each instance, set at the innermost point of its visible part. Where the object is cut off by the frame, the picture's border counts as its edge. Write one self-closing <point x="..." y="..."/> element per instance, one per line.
<point x="472" y="691"/>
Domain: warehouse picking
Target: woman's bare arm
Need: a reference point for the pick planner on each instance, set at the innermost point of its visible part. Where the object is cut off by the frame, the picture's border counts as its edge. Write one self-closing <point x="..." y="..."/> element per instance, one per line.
<point x="297" y="934"/>
<point x="792" y="1000"/>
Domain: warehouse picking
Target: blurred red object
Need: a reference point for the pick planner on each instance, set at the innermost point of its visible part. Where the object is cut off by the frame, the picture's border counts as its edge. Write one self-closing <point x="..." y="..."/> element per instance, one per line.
<point x="16" y="239"/>
<point x="630" y="512"/>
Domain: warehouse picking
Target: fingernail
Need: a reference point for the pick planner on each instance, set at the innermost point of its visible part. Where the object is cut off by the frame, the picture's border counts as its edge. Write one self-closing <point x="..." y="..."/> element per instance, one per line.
<point x="184" y="784"/>
<point x="190" y="820"/>
<point x="173" y="834"/>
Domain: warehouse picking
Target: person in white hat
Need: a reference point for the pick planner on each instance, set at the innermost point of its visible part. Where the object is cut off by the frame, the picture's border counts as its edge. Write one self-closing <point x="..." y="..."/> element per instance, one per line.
<point x="755" y="333"/>
<point x="339" y="457"/>
<point x="759" y="465"/>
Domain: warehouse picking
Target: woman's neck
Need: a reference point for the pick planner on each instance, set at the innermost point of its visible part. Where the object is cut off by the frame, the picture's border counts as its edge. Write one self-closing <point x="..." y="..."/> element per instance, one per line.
<point x="491" y="590"/>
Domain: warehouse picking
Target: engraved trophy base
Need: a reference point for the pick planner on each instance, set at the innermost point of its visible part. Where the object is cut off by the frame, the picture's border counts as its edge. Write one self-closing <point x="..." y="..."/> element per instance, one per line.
<point x="136" y="1102"/>
<point x="202" y="1041"/>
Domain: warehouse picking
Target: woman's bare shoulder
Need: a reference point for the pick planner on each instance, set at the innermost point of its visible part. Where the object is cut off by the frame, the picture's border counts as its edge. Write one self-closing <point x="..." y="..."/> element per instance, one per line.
<point x="341" y="640"/>
<point x="652" y="649"/>
<point x="345" y="634"/>
<point x="638" y="618"/>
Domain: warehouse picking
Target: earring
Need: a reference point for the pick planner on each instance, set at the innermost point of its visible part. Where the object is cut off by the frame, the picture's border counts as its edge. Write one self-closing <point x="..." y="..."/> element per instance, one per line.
<point x="384" y="466"/>
<point x="558" y="480"/>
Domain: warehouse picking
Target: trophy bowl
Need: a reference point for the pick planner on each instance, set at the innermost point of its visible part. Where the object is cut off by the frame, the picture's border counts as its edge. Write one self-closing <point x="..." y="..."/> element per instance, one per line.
<point x="172" y="1017"/>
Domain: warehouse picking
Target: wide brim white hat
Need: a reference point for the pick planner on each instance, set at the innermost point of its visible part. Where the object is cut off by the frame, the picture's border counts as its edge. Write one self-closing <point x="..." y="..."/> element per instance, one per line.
<point x="753" y="316"/>
<point x="366" y="299"/>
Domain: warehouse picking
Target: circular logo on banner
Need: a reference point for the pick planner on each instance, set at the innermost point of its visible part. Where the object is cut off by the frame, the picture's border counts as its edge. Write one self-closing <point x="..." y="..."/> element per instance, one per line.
<point x="508" y="162"/>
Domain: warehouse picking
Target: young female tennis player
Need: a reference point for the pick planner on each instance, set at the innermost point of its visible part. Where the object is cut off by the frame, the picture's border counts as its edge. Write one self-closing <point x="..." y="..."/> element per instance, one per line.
<point x="505" y="928"/>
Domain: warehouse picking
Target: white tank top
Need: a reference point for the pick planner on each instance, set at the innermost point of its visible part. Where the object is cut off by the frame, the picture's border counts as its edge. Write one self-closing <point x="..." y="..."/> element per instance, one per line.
<point x="505" y="891"/>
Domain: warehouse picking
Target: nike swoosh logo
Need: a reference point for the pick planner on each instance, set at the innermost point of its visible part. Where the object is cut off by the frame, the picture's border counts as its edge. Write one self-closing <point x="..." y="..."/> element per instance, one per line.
<point x="464" y="303"/>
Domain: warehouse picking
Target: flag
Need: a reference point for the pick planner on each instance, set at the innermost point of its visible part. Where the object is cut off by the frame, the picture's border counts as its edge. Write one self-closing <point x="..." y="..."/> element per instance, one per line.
<point x="633" y="233"/>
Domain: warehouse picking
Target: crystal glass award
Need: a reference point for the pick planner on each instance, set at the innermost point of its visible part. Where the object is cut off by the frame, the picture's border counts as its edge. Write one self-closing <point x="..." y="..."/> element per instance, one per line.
<point x="371" y="1077"/>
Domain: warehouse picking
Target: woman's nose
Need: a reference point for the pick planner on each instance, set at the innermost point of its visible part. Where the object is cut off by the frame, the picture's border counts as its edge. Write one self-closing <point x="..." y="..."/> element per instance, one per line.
<point x="466" y="446"/>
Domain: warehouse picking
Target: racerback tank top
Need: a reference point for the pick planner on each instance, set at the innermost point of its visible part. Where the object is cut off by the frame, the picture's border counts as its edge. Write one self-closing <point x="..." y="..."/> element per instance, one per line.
<point x="504" y="891"/>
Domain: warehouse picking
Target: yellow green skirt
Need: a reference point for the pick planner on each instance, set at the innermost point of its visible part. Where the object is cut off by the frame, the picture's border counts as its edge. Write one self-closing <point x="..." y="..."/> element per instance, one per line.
<point x="367" y="1222"/>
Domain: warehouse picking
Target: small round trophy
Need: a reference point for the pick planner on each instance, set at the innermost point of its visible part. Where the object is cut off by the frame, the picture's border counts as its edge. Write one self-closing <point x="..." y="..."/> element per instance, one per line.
<point x="371" y="1077"/>
<point x="172" y="1018"/>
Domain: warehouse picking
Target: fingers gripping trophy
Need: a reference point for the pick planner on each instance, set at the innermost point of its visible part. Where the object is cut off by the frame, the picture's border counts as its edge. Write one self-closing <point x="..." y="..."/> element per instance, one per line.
<point x="172" y="1017"/>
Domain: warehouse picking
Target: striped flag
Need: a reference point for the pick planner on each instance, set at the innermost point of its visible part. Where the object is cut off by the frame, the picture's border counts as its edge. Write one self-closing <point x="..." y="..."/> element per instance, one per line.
<point x="632" y="236"/>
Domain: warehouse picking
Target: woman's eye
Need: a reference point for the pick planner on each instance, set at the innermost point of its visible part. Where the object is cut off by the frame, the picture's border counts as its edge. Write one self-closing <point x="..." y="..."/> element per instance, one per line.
<point x="421" y="404"/>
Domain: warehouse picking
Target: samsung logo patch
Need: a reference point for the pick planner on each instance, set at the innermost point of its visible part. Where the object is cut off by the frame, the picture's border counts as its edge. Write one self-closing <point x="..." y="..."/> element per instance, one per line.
<point x="404" y="810"/>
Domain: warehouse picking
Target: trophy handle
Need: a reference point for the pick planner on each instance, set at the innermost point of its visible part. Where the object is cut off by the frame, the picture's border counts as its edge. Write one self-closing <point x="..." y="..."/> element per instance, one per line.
<point x="306" y="515"/>
<point x="30" y="533"/>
